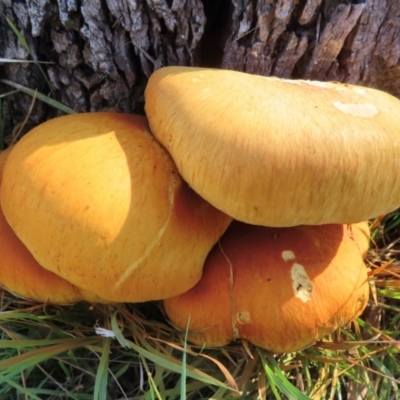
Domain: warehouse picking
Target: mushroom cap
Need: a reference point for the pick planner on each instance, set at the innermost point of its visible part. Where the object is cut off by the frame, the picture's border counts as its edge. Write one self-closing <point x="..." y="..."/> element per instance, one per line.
<point x="362" y="235"/>
<point x="278" y="152"/>
<point x="21" y="274"/>
<point x="98" y="201"/>
<point x="279" y="288"/>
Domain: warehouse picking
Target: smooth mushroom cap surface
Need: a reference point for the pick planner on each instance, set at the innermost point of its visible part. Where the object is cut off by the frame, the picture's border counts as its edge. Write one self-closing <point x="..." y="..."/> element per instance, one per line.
<point x="98" y="201"/>
<point x="277" y="152"/>
<point x="21" y="274"/>
<point x="278" y="288"/>
<point x="362" y="236"/>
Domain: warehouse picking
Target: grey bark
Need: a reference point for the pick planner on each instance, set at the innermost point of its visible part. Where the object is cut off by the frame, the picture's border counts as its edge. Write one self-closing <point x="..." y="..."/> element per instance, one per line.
<point x="102" y="51"/>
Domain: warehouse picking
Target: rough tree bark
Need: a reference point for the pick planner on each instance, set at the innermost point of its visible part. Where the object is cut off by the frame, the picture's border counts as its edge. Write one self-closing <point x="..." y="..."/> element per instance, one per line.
<point x="102" y="51"/>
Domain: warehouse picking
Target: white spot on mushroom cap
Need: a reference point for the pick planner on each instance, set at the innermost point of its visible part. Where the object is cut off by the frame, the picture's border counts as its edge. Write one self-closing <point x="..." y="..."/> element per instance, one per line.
<point x="302" y="285"/>
<point x="325" y="85"/>
<point x="288" y="255"/>
<point x="198" y="77"/>
<point x="318" y="84"/>
<point x="359" y="90"/>
<point x="243" y="317"/>
<point x="298" y="82"/>
<point x="364" y="110"/>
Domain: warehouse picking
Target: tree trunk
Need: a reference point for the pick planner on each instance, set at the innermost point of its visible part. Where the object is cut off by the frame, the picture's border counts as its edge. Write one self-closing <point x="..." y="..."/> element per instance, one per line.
<point x="101" y="52"/>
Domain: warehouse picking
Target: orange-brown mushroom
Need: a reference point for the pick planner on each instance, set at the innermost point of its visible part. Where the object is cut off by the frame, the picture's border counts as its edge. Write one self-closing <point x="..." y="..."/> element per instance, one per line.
<point x="21" y="274"/>
<point x="362" y="236"/>
<point x="98" y="201"/>
<point x="278" y="152"/>
<point x="279" y="288"/>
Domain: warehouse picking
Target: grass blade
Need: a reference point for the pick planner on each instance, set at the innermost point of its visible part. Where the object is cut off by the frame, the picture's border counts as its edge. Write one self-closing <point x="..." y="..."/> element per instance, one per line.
<point x="278" y="380"/>
<point x="54" y="103"/>
<point x="164" y="360"/>
<point x="28" y="49"/>
<point x="13" y="366"/>
<point x="183" y="373"/>
<point x="100" y="386"/>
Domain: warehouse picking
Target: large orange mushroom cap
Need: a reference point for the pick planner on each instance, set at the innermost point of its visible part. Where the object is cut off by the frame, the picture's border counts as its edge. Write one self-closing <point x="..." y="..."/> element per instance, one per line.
<point x="279" y="288"/>
<point x="98" y="201"/>
<point x="21" y="274"/>
<point x="279" y="152"/>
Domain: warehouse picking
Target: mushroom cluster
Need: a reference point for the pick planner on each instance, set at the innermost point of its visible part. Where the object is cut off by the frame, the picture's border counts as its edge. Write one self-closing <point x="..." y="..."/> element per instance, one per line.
<point x="301" y="164"/>
<point x="239" y="201"/>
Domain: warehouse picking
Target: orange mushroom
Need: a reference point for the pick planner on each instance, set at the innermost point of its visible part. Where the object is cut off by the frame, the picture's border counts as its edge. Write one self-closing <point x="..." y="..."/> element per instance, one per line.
<point x="98" y="201"/>
<point x="279" y="288"/>
<point x="278" y="152"/>
<point x="21" y="274"/>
